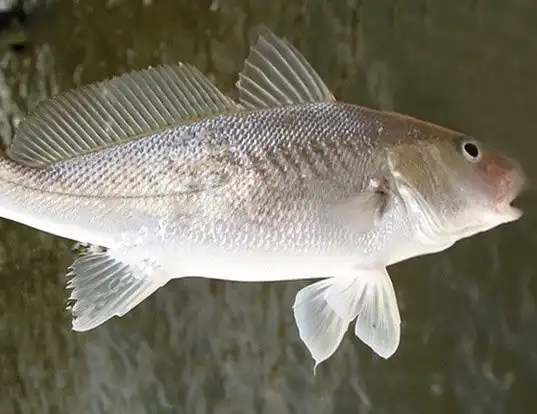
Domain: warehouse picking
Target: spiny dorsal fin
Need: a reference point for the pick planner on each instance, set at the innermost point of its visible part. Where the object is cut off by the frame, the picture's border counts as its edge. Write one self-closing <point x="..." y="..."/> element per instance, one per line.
<point x="276" y="74"/>
<point x="107" y="113"/>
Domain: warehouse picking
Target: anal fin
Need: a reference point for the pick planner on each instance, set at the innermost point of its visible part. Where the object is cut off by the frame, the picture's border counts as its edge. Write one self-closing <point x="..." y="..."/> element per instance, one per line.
<point x="103" y="287"/>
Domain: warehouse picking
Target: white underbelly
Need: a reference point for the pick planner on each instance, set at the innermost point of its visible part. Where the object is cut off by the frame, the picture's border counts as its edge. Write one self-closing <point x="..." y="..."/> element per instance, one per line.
<point x="252" y="267"/>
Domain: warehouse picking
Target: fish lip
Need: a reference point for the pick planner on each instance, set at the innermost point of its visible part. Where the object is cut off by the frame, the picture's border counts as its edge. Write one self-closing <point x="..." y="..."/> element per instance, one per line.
<point x="505" y="200"/>
<point x="508" y="211"/>
<point x="514" y="212"/>
<point x="511" y="187"/>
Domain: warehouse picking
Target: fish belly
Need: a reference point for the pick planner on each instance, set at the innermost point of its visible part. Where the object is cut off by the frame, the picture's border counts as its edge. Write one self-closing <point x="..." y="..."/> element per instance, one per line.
<point x="131" y="228"/>
<point x="254" y="266"/>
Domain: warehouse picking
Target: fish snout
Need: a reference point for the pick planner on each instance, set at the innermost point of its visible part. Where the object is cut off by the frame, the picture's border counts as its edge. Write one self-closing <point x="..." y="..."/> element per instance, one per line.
<point x="506" y="178"/>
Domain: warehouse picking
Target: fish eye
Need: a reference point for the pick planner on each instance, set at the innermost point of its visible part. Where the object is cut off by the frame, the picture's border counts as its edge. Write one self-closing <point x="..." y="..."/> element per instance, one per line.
<point x="471" y="150"/>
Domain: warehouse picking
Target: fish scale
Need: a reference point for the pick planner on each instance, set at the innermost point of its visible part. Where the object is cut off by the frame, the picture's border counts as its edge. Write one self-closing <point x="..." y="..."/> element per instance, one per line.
<point x="266" y="217"/>
<point x="157" y="164"/>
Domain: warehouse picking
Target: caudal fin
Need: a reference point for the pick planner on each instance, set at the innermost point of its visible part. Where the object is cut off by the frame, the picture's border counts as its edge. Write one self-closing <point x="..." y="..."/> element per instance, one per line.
<point x="103" y="287"/>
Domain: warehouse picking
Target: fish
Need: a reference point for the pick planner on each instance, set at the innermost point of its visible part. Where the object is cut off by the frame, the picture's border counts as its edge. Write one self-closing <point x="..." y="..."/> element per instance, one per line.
<point x="157" y="174"/>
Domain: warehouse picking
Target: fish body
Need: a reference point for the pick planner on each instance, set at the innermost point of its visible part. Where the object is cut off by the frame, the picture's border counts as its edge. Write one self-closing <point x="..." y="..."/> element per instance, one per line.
<point x="174" y="179"/>
<point x="320" y="153"/>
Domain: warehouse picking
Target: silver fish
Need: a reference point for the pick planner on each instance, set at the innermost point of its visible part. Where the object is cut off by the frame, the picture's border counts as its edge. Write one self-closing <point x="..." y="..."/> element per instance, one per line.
<point x="161" y="176"/>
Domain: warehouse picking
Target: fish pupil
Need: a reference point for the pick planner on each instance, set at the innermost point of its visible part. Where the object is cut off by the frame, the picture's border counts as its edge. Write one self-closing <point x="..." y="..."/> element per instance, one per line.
<point x="471" y="149"/>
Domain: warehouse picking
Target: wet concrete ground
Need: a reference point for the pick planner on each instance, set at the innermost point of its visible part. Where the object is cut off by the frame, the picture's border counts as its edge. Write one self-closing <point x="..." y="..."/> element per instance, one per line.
<point x="469" y="334"/>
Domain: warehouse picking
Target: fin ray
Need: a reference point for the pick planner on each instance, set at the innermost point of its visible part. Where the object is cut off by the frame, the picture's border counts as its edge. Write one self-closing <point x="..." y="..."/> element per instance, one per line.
<point x="319" y="327"/>
<point x="324" y="310"/>
<point x="378" y="323"/>
<point x="103" y="287"/>
<point x="276" y="74"/>
<point x="120" y="109"/>
<point x="370" y="298"/>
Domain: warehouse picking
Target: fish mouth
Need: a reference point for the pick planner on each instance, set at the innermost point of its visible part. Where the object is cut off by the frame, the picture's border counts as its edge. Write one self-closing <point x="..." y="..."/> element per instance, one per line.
<point x="508" y="190"/>
<point x="510" y="212"/>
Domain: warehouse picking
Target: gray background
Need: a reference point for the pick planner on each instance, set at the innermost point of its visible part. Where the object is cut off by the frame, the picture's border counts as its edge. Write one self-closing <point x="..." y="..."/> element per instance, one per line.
<point x="469" y="334"/>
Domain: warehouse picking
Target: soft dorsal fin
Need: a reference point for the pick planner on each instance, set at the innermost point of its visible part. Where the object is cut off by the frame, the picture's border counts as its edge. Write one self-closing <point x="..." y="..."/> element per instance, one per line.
<point x="276" y="74"/>
<point x="107" y="113"/>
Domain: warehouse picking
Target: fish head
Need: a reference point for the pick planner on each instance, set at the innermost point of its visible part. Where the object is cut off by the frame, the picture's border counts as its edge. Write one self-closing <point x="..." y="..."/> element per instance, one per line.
<point x="454" y="187"/>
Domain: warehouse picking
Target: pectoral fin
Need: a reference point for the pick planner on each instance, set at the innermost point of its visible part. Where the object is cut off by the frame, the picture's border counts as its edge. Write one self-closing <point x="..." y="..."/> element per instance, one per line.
<point x="324" y="310"/>
<point x="363" y="211"/>
<point x="360" y="213"/>
<point x="103" y="287"/>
